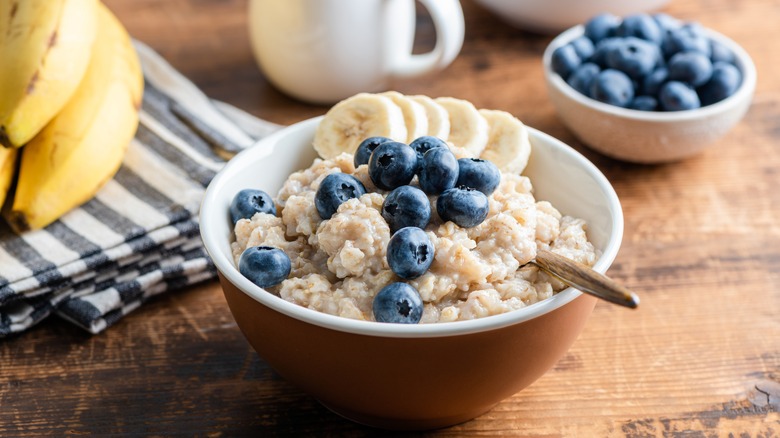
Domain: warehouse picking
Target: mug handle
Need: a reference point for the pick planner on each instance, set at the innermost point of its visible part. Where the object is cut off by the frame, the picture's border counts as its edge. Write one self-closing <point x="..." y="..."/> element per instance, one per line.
<point x="447" y="16"/>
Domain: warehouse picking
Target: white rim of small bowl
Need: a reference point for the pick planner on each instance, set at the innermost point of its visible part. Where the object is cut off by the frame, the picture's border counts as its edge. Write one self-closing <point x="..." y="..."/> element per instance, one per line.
<point x="743" y="61"/>
<point x="224" y="264"/>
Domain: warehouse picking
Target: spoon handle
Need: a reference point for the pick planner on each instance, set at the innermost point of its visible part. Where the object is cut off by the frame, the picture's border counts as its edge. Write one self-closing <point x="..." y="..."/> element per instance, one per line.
<point x="585" y="279"/>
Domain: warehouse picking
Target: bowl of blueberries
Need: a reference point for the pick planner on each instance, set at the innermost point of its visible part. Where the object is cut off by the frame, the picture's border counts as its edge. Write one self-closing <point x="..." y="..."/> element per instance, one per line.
<point x="648" y="88"/>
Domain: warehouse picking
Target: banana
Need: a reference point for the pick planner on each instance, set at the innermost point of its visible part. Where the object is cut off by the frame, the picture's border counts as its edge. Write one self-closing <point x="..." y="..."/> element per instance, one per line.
<point x="356" y="118"/>
<point x="7" y="169"/>
<point x="45" y="47"/>
<point x="508" y="146"/>
<point x="438" y="118"/>
<point x="494" y="135"/>
<point x="468" y="129"/>
<point x="415" y="117"/>
<point x="82" y="147"/>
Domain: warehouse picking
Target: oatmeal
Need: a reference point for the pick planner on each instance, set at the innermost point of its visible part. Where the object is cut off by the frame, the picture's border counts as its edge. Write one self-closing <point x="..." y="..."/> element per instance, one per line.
<point x="338" y="265"/>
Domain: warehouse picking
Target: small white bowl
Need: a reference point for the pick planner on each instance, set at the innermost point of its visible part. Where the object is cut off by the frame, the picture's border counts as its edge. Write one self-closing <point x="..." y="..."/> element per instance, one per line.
<point x="409" y="376"/>
<point x="648" y="136"/>
<point x="552" y="16"/>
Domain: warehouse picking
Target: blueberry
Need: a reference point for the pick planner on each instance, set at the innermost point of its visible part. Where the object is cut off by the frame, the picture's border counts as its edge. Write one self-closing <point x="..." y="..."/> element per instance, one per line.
<point x="613" y="87"/>
<point x="720" y="53"/>
<point x="603" y="49"/>
<point x="410" y="253"/>
<point x="644" y="103"/>
<point x="398" y="303"/>
<point x="363" y="152"/>
<point x="661" y="61"/>
<point x="633" y="56"/>
<point x="693" y="68"/>
<point x="392" y="164"/>
<point x="478" y="174"/>
<point x="641" y="26"/>
<point x="564" y="60"/>
<point x="601" y="26"/>
<point x="334" y="190"/>
<point x="678" y="96"/>
<point x="584" y="47"/>
<point x="690" y="37"/>
<point x="464" y="206"/>
<point x="406" y="206"/>
<point x="264" y="266"/>
<point x="666" y="22"/>
<point x="425" y="143"/>
<point x="247" y="202"/>
<point x="652" y="83"/>
<point x="583" y="77"/>
<point x="724" y="82"/>
<point x="438" y="171"/>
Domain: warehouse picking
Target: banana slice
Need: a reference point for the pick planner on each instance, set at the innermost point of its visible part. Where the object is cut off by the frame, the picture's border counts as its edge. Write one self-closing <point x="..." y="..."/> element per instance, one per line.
<point x="468" y="129"/>
<point x="415" y="117"/>
<point x="438" y="118"/>
<point x="356" y="118"/>
<point x="508" y="146"/>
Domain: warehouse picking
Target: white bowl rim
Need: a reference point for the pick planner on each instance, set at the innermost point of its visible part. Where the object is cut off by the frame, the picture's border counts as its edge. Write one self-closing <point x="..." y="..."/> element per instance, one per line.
<point x="745" y="90"/>
<point x="225" y="264"/>
<point x="545" y="16"/>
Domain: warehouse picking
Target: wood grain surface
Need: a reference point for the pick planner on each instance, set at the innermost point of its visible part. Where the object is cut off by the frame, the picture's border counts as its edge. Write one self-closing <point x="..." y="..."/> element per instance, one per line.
<point x="699" y="358"/>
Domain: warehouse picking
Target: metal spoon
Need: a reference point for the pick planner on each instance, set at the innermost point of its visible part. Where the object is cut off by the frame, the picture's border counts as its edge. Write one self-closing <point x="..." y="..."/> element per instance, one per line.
<point x="585" y="279"/>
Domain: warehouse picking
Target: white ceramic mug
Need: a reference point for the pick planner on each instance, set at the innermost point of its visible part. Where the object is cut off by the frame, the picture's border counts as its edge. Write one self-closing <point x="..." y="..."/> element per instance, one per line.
<point x="323" y="51"/>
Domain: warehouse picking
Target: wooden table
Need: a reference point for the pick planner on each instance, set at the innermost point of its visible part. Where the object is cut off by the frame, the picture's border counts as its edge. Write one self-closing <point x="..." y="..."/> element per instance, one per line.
<point x="700" y="358"/>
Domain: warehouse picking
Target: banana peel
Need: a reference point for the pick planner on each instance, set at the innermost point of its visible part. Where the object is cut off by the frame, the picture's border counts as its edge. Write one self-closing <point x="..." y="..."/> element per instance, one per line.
<point x="45" y="46"/>
<point x="82" y="148"/>
<point x="7" y="171"/>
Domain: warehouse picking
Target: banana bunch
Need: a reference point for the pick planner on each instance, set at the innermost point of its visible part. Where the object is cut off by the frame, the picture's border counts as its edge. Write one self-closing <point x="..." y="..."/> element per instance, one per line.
<point x="490" y="134"/>
<point x="70" y="90"/>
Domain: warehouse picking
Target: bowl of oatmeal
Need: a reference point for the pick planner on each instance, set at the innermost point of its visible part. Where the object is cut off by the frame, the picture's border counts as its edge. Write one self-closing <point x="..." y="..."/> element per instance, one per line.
<point x="473" y="347"/>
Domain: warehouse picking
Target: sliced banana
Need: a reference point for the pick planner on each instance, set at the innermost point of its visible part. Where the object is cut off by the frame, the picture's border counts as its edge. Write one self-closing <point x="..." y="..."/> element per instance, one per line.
<point x="508" y="146"/>
<point x="415" y="117"/>
<point x="356" y="118"/>
<point x="438" y="118"/>
<point x="468" y="129"/>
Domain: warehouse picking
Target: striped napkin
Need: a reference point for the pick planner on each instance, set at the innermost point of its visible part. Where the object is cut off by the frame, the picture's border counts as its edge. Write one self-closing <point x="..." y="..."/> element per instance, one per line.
<point x="139" y="236"/>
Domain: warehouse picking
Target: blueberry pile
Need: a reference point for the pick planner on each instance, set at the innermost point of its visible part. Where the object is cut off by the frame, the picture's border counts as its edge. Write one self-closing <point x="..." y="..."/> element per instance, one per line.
<point x="461" y="186"/>
<point x="648" y="63"/>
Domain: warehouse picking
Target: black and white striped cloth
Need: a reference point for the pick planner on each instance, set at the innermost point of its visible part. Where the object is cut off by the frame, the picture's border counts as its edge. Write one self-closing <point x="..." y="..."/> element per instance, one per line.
<point x="139" y="236"/>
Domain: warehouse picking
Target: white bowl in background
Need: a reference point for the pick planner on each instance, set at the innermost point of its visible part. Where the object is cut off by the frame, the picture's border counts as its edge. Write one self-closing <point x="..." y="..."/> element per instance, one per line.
<point x="553" y="16"/>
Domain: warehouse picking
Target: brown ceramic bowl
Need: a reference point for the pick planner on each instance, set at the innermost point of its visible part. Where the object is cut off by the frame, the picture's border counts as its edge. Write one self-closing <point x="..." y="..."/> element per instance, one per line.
<point x="400" y="376"/>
